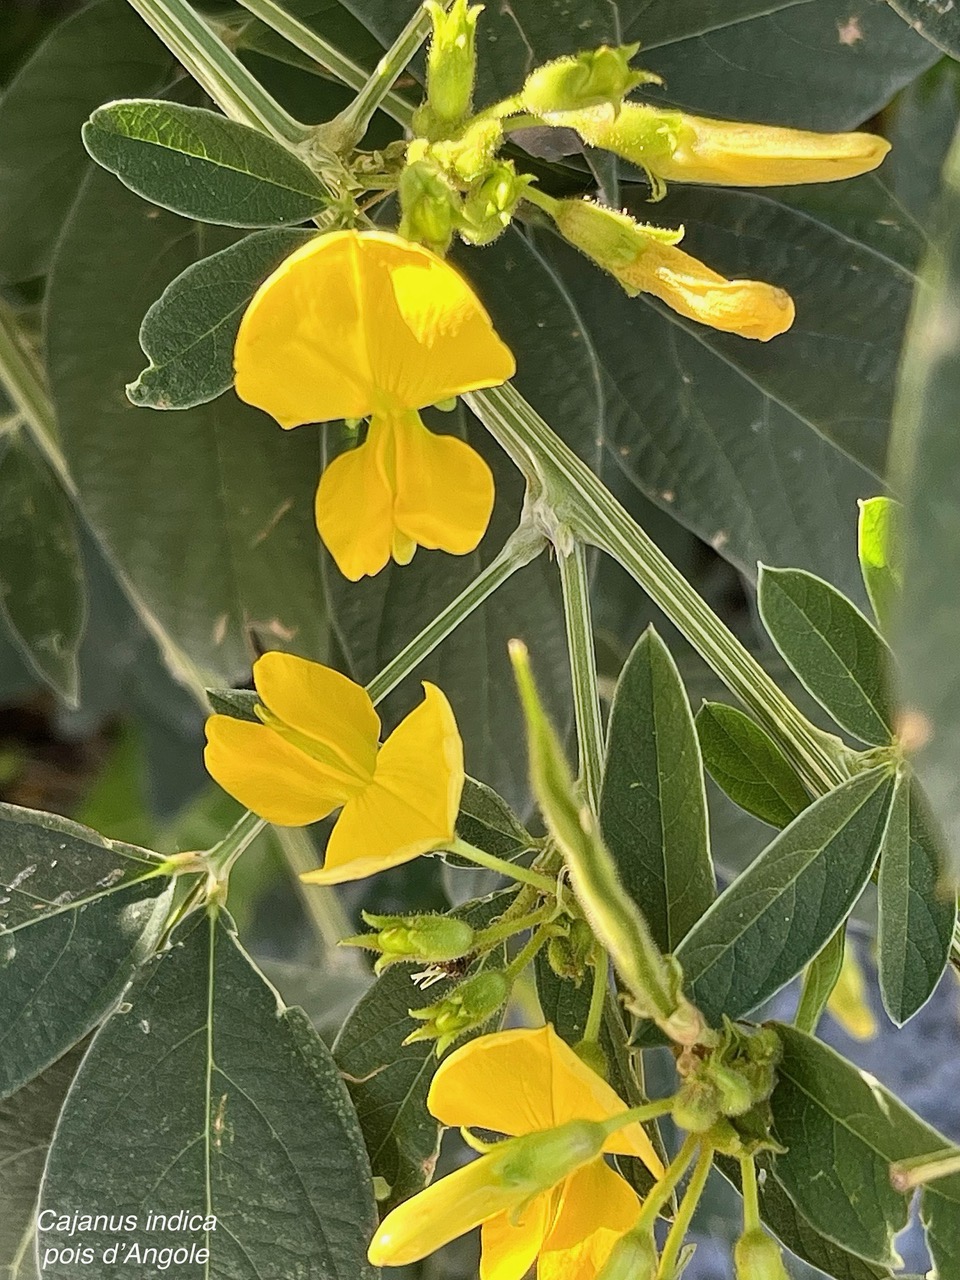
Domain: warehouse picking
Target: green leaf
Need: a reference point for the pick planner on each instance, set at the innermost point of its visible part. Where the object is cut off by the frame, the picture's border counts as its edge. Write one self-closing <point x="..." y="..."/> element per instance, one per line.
<point x="821" y="977"/>
<point x="878" y="545"/>
<point x="920" y="123"/>
<point x="208" y="513"/>
<point x="239" y="703"/>
<point x="229" y="1101"/>
<point x="653" y="809"/>
<point x="389" y="1080"/>
<point x="42" y="595"/>
<point x="831" y="647"/>
<point x="78" y="915"/>
<point x="26" y="1126"/>
<point x="201" y="165"/>
<point x="749" y="766"/>
<point x="938" y="23"/>
<point x="926" y="462"/>
<point x="189" y="333"/>
<point x="824" y="1104"/>
<point x="940" y="1215"/>
<point x="778" y="914"/>
<point x="916" y="918"/>
<point x="104" y="51"/>
<point x="487" y="821"/>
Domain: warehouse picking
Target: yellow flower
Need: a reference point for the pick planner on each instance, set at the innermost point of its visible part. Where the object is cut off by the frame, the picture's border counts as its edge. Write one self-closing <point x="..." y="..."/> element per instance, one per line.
<point x="849" y="1002"/>
<point x="316" y="749"/>
<point x="550" y="1199"/>
<point x="365" y="324"/>
<point x="674" y="146"/>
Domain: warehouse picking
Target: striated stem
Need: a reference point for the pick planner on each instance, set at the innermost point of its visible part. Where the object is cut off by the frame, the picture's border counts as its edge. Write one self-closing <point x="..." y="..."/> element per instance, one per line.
<point x="575" y="584"/>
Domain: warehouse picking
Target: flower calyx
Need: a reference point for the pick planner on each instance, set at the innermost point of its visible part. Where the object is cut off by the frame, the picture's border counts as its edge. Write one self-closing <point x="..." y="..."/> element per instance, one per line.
<point x="467" y="1007"/>
<point x="568" y="953"/>
<point x="451" y="68"/>
<point x="421" y="939"/>
<point x="592" y="78"/>
<point x="725" y="1091"/>
<point x="757" y="1256"/>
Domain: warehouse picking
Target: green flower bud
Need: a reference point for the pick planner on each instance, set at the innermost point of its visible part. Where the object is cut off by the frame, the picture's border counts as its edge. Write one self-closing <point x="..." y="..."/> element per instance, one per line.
<point x="590" y="79"/>
<point x="470" y="156"/>
<point x="757" y="1256"/>
<point x="429" y="205"/>
<point x="634" y="1257"/>
<point x="612" y="239"/>
<point x="568" y="954"/>
<point x="733" y="1090"/>
<point x="541" y="1160"/>
<point x="490" y="203"/>
<point x="696" y="1106"/>
<point x="465" y="1008"/>
<point x="423" y="939"/>
<point x="451" y="67"/>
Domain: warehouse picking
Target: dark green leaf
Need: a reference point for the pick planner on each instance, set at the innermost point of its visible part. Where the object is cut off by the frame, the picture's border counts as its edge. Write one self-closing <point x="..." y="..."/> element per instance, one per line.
<point x="748" y="765"/>
<point x="926" y="461"/>
<point x="487" y="821"/>
<point x="239" y="703"/>
<point x="78" y="915"/>
<point x="878" y="545"/>
<point x="104" y="51"/>
<point x="42" y="592"/>
<point x="937" y="22"/>
<point x="778" y="914"/>
<point x="821" y="977"/>
<point x="824" y="1104"/>
<point x="26" y="1126"/>
<point x="389" y="1080"/>
<point x="653" y="810"/>
<point x="832" y="648"/>
<point x="209" y="512"/>
<point x="201" y="165"/>
<point x="189" y="332"/>
<point x="916" y="917"/>
<point x="940" y="1214"/>
<point x="920" y="123"/>
<point x="227" y="1100"/>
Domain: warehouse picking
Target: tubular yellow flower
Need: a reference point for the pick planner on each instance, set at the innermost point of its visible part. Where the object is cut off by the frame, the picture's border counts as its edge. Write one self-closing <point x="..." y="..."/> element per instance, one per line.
<point x="366" y="324"/>
<point x="674" y="146"/>
<point x="316" y="749"/>
<point x="546" y="1195"/>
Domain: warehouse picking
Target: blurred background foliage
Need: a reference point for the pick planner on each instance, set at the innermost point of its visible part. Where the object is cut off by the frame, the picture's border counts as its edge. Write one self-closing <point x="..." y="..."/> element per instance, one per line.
<point x="183" y="544"/>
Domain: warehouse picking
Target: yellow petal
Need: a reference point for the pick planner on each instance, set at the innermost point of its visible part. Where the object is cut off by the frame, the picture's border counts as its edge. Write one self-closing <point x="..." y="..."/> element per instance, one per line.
<point x="360" y="322"/>
<point x="754" y="155"/>
<point x="354" y="507"/>
<point x="447" y="1209"/>
<point x="268" y="775"/>
<point x="444" y="489"/>
<point x="849" y="1002"/>
<point x="749" y="308"/>
<point x="410" y="807"/>
<point x="522" y="1081"/>
<point x="508" y="1248"/>
<point x="328" y="708"/>
<point x="596" y="1208"/>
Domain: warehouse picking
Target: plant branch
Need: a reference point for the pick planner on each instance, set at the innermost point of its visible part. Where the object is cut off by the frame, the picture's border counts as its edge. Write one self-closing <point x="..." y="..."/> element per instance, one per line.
<point x="575" y="584"/>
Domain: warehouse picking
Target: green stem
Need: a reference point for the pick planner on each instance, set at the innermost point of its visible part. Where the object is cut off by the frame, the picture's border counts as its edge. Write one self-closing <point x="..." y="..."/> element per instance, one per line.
<point x="218" y="71"/>
<point x="513" y="870"/>
<point x="688" y="1206"/>
<point x="374" y="89"/>
<point x="527" y="953"/>
<point x="575" y="584"/>
<point x="664" y="1187"/>
<point x="598" y="996"/>
<point x="750" y="1192"/>
<point x="524" y="544"/>
<point x="907" y="1175"/>
<point x="354" y="121"/>
<point x="488" y="938"/>
<point x="320" y="901"/>
<point x="639" y="1115"/>
<point x="227" y="850"/>
<point x="567" y="491"/>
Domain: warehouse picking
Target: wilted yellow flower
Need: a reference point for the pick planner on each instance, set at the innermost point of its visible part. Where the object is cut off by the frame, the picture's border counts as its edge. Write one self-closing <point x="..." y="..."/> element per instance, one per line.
<point x="365" y="324"/>
<point x="646" y="260"/>
<point x="674" y="146"/>
<point x="549" y="1197"/>
<point x="849" y="1002"/>
<point x="317" y="749"/>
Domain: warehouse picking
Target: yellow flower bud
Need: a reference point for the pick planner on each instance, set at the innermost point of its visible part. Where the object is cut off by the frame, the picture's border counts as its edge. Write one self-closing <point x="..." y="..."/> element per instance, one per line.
<point x="674" y="146"/>
<point x="646" y="260"/>
<point x="757" y="1256"/>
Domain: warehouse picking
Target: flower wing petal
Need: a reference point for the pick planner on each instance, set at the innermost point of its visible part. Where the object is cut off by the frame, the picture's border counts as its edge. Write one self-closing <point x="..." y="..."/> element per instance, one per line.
<point x="596" y="1208"/>
<point x="509" y="1249"/>
<point x="302" y="348"/>
<point x="444" y="489"/>
<point x="548" y="1085"/>
<point x="321" y="703"/>
<point x="354" y="508"/>
<point x="411" y="806"/>
<point x="268" y="775"/>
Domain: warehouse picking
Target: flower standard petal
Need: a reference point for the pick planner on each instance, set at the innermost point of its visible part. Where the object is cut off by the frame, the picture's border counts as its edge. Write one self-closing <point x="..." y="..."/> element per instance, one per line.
<point x="444" y="489"/>
<point x="596" y="1208"/>
<point x="411" y="805"/>
<point x="510" y="1242"/>
<point x="548" y="1086"/>
<point x="354" y="507"/>
<point x="270" y="776"/>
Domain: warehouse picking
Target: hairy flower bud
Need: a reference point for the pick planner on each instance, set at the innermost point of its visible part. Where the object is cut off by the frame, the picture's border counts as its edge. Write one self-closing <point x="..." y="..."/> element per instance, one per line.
<point x="451" y="67"/>
<point x="465" y="1008"/>
<point x="568" y="954"/>
<point x="423" y="939"/>
<point x="757" y="1256"/>
<point x="429" y="205"/>
<point x="490" y="203"/>
<point x="593" y="78"/>
<point x="634" y="1257"/>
